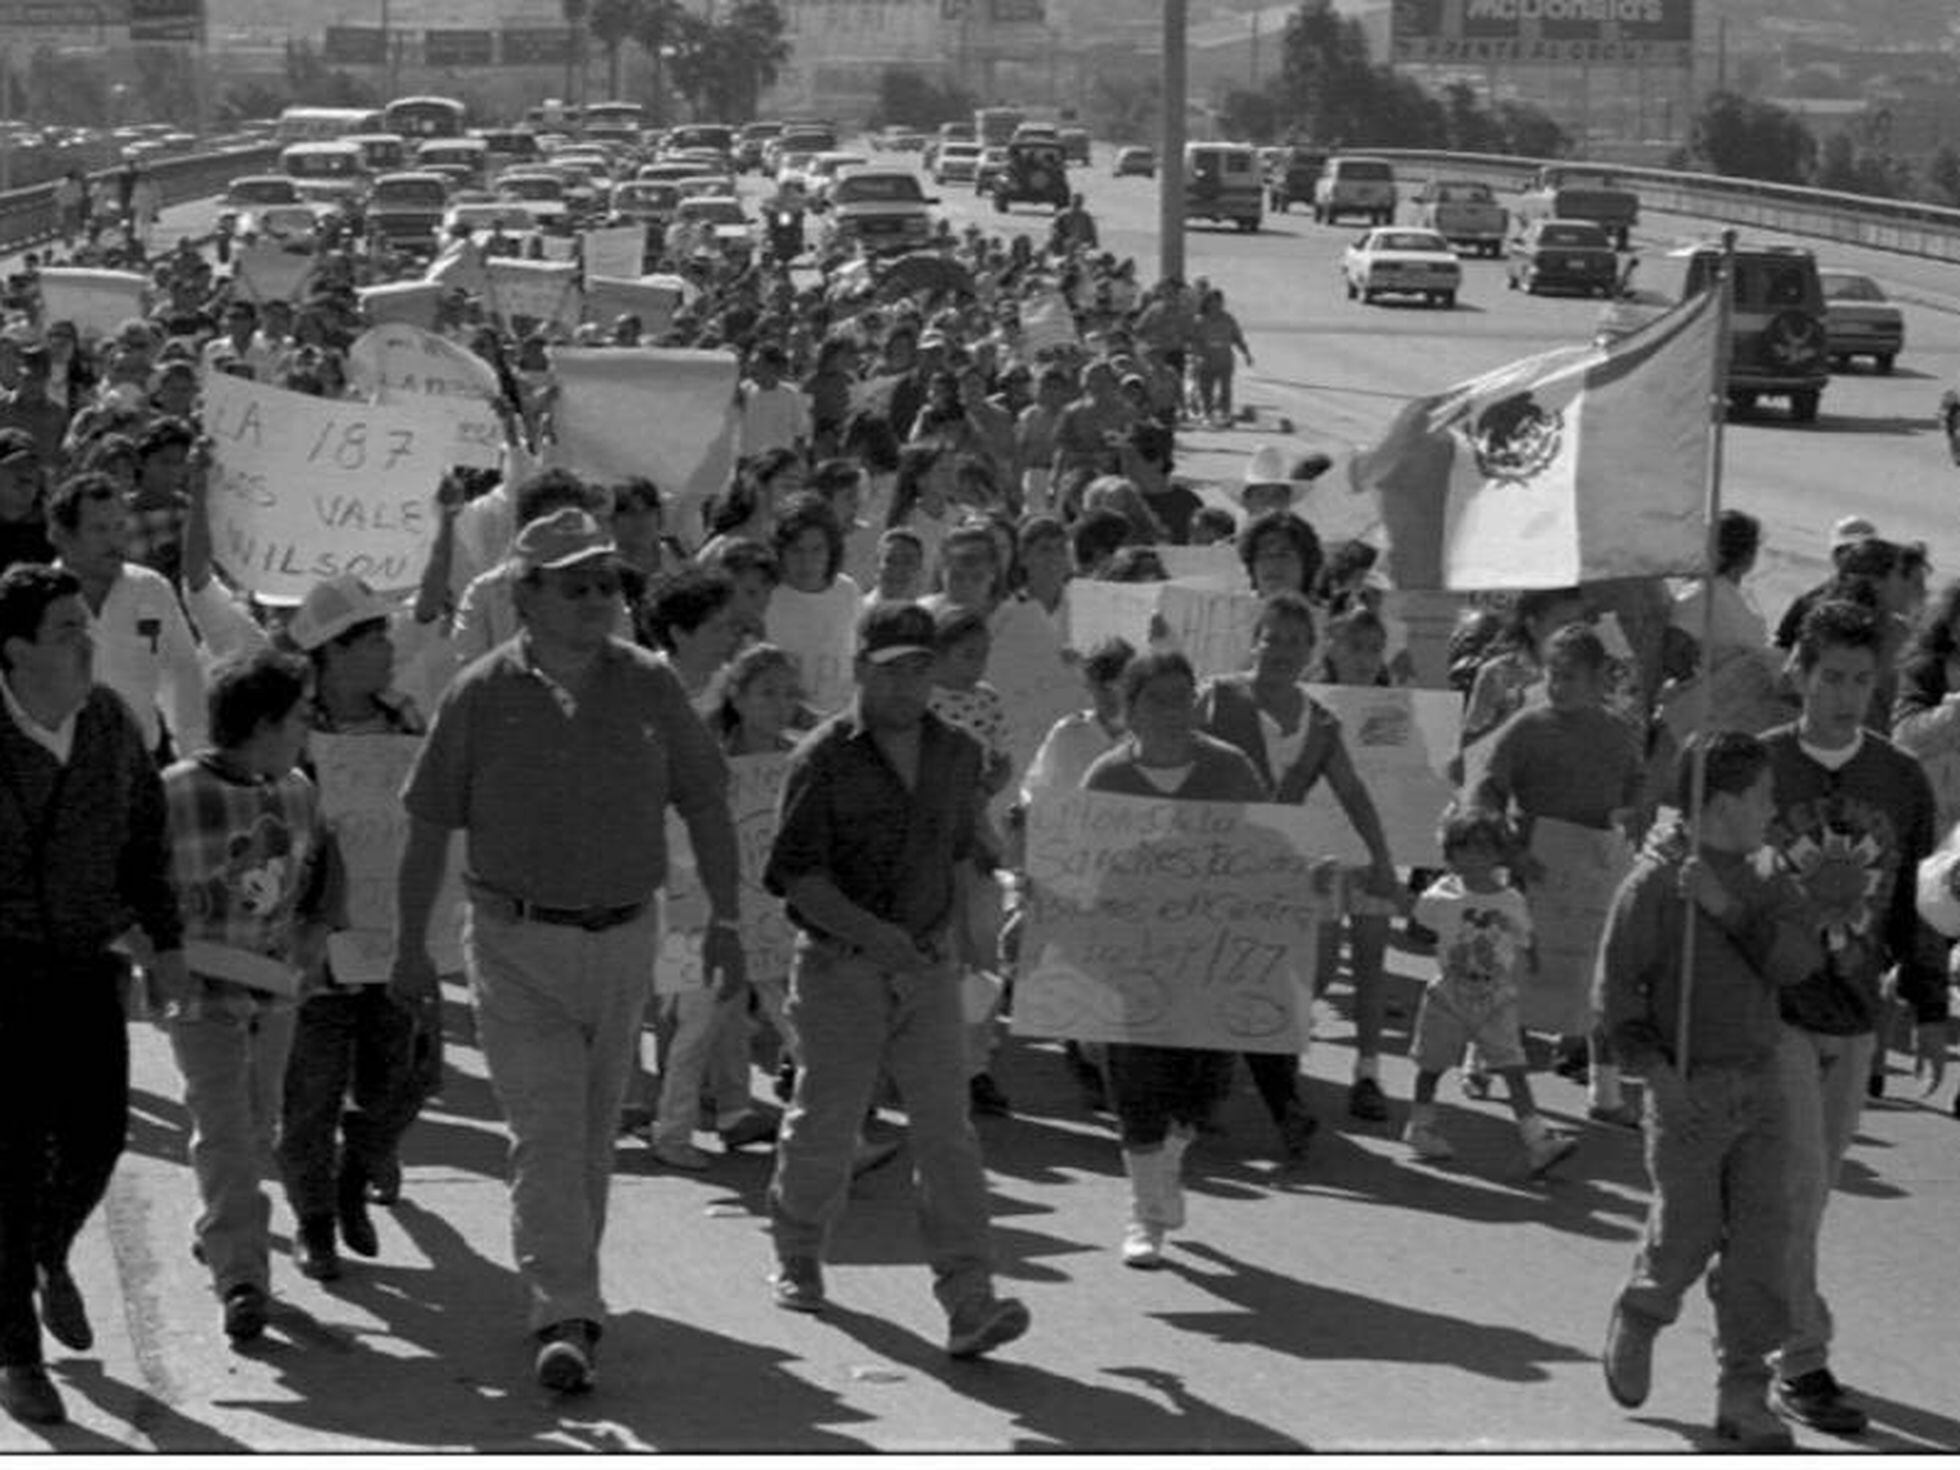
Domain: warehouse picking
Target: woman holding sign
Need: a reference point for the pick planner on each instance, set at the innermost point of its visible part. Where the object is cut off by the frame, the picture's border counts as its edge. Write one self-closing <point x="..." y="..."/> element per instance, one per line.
<point x="1293" y="741"/>
<point x="1162" y="1093"/>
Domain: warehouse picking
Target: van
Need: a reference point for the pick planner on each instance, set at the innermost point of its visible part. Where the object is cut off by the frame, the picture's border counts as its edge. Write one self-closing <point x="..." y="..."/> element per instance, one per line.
<point x="1350" y="185"/>
<point x="1222" y="182"/>
<point x="381" y="153"/>
<point x="324" y="172"/>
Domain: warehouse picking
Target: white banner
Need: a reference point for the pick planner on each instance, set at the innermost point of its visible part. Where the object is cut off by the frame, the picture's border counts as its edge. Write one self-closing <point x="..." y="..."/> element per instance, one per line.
<point x="442" y="381"/>
<point x="617" y="252"/>
<point x="401" y="301"/>
<point x="1400" y="741"/>
<point x="96" y="301"/>
<point x="270" y="271"/>
<point x="304" y="488"/>
<point x="360" y="778"/>
<point x="1172" y="923"/>
<point x="1046" y="322"/>
<point x="1212" y="626"/>
<point x="653" y="300"/>
<point x="543" y="290"/>
<point x="665" y="413"/>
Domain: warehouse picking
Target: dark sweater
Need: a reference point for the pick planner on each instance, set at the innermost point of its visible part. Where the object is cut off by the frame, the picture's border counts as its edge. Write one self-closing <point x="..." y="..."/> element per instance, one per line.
<point x="1854" y="838"/>
<point x="1741" y="961"/>
<point x="1219" y="772"/>
<point x="83" y="854"/>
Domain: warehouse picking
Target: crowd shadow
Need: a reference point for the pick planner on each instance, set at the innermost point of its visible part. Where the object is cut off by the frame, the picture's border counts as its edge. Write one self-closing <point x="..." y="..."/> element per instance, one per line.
<point x="1908" y="1427"/>
<point x="168" y="1430"/>
<point x="159" y="1127"/>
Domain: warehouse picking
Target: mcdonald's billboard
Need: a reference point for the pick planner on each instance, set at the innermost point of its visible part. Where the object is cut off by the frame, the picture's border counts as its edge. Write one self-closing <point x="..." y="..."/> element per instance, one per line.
<point x="1612" y="32"/>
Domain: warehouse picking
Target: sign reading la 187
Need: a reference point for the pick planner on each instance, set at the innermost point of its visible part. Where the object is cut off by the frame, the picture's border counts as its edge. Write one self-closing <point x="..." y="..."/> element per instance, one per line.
<point x="1643" y="31"/>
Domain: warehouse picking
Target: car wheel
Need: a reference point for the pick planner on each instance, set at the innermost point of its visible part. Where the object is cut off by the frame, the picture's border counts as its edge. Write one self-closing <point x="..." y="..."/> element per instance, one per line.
<point x="1352" y="292"/>
<point x="1803" y="405"/>
<point x="1000" y="204"/>
<point x="1883" y="362"/>
<point x="1742" y="401"/>
<point x="1446" y="300"/>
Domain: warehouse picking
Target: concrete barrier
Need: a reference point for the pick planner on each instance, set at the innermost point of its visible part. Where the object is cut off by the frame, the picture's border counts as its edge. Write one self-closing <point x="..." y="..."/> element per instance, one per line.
<point x="27" y="216"/>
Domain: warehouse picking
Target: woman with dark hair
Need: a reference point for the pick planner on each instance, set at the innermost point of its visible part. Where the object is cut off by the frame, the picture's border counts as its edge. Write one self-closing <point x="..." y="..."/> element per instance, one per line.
<point x="1511" y="664"/>
<point x="813" y="612"/>
<point x="762" y="481"/>
<point x="922" y="498"/>
<point x="1724" y="610"/>
<point x="1926" y="716"/>
<point x="1281" y="553"/>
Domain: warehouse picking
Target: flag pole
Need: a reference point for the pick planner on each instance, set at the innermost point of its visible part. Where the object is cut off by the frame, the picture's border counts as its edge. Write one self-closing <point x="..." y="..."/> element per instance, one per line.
<point x="1704" y="700"/>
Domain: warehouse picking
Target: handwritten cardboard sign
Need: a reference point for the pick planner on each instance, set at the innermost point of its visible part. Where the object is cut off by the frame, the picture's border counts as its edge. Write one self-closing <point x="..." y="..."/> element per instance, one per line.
<point x="305" y="488"/>
<point x="1211" y="625"/>
<point x="96" y="301"/>
<point x="1047" y="323"/>
<point x="617" y="252"/>
<point x="1217" y="565"/>
<point x="1400" y="741"/>
<point x="667" y="413"/>
<point x="360" y="778"/>
<point x="1038" y="679"/>
<point x="543" y="290"/>
<point x="442" y="381"/>
<point x="414" y="302"/>
<point x="1172" y="923"/>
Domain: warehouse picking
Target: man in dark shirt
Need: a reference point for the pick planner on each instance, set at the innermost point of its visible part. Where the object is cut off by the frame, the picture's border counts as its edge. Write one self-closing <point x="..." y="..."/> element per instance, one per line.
<point x="23" y="527"/>
<point x="878" y="815"/>
<point x="30" y="408"/>
<point x="82" y="854"/>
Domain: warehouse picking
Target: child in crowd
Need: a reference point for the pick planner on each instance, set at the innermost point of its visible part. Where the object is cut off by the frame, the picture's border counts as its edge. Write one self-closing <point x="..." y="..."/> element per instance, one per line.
<point x="1483" y="940"/>
<point x="901" y="569"/>
<point x="247" y="859"/>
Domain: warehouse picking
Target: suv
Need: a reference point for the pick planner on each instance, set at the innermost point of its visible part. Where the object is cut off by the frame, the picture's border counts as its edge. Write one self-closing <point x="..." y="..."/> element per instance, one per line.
<point x="1033" y="172"/>
<point x="1778" y="347"/>
<point x="1290" y="178"/>
<point x="1349" y="185"/>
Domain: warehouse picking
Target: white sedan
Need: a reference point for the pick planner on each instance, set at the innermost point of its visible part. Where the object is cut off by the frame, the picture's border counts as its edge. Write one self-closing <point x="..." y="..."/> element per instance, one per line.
<point x="1392" y="261"/>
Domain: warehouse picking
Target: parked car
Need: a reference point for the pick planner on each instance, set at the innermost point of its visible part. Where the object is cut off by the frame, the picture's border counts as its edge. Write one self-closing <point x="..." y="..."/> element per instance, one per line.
<point x="1076" y="144"/>
<point x="1290" y="177"/>
<point x="1464" y="212"/>
<point x="1859" y="321"/>
<point x="541" y="192"/>
<point x="1349" y="185"/>
<point x="1399" y="261"/>
<point x="1134" y="160"/>
<point x="1563" y="254"/>
<point x="1778" y="343"/>
<point x="823" y="171"/>
<point x="254" y="191"/>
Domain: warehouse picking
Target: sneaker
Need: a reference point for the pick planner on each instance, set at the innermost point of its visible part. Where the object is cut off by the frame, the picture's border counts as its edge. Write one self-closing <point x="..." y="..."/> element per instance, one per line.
<point x="798" y="1284"/>
<point x="564" y="1362"/>
<point x="1620" y="1115"/>
<point x="316" y="1249"/>
<point x="63" y="1312"/>
<point x="1296" y="1131"/>
<point x="1546" y="1150"/>
<point x="1143" y="1246"/>
<point x="1628" y="1357"/>
<point x="986" y="1098"/>
<point x="1426" y="1143"/>
<point x="681" y="1156"/>
<point x="1366" y="1101"/>
<point x="1816" y="1398"/>
<point x="246" y="1307"/>
<point x="1476" y="1085"/>
<point x="350" y="1206"/>
<point x="749" y="1128"/>
<point x="981" y="1326"/>
<point x="1750" y="1427"/>
<point x="29" y="1395"/>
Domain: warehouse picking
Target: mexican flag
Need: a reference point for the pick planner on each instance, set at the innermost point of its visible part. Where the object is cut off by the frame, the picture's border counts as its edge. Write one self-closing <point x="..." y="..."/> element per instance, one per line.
<point x="1578" y="464"/>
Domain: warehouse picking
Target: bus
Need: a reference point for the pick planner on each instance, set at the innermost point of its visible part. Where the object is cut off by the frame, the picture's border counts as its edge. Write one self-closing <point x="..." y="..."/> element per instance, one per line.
<point x="324" y="124"/>
<point x="418" y="118"/>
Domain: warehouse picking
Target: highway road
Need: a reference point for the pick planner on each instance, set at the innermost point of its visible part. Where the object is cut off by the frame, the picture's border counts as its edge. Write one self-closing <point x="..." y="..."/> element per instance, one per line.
<point x="1358" y="1303"/>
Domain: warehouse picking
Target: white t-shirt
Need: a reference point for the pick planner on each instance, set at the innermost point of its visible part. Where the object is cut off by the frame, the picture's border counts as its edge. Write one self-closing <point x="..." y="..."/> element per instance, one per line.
<point x="818" y="630"/>
<point x="1481" y="942"/>
<point x="773" y="418"/>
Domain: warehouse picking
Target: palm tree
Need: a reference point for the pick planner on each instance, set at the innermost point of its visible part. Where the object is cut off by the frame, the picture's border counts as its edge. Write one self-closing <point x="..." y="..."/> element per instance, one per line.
<point x="611" y="22"/>
<point x="756" y="27"/>
<point x="657" y="25"/>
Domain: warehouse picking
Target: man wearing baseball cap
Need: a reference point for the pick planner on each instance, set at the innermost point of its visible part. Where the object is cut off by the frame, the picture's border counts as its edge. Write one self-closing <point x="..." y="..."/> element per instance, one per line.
<point x="879" y="811"/>
<point x="558" y="753"/>
<point x="23" y="528"/>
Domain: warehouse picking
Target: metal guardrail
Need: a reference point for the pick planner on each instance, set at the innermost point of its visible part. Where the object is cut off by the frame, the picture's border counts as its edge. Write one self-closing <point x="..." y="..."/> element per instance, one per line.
<point x="27" y="216"/>
<point x="1906" y="228"/>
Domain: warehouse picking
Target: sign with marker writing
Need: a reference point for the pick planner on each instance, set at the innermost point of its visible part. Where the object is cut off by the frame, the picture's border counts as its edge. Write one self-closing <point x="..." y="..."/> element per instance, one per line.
<point x="755" y="786"/>
<point x="96" y="301"/>
<point x="1400" y="741"/>
<point x="442" y="381"/>
<point x="414" y="302"/>
<point x="304" y="488"/>
<point x="544" y="290"/>
<point x="1210" y="625"/>
<point x="617" y="252"/>
<point x="1172" y="923"/>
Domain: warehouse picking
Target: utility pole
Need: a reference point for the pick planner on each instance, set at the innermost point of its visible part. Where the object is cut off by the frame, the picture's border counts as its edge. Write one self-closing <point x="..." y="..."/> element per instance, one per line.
<point x="1170" y="155"/>
<point x="1252" y="70"/>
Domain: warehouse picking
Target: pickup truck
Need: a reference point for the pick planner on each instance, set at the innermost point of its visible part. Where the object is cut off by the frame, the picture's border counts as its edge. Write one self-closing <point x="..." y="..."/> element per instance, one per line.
<point x="1563" y="191"/>
<point x="1464" y="212"/>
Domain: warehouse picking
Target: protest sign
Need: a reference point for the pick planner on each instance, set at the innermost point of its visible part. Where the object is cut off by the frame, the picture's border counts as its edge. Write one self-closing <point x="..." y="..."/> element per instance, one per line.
<point x="544" y="290"/>
<point x="1046" y="323"/>
<point x="1580" y="867"/>
<point x="96" y="301"/>
<point x="360" y="780"/>
<point x="667" y="413"/>
<point x="617" y="252"/>
<point x="1212" y="626"/>
<point x="270" y="270"/>
<point x="304" y="488"/>
<point x="1038" y="680"/>
<point x="1214" y="566"/>
<point x="443" y="381"/>
<point x="1401" y="742"/>
<point x="413" y="302"/>
<point x="653" y="300"/>
<point x="1171" y="923"/>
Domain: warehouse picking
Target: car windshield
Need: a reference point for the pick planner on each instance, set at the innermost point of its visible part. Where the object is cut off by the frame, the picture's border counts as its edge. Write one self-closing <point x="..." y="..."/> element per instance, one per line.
<point x="1570" y="235"/>
<point x="714" y="211"/>
<point x="534" y="186"/>
<point x="648" y="194"/>
<point x="1463" y="193"/>
<point x="829" y="166"/>
<point x="1408" y="240"/>
<point x="879" y="189"/>
<point x="264" y="191"/>
<point x="1844" y="286"/>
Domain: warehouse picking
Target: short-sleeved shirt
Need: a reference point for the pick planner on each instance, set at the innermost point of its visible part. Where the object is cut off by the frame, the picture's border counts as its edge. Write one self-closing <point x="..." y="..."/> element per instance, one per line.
<point x="564" y="798"/>
<point x="848" y="817"/>
<point x="1481" y="941"/>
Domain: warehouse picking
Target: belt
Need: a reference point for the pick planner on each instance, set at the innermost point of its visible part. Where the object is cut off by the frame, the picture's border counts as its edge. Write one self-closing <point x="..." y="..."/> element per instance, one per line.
<point x="592" y="920"/>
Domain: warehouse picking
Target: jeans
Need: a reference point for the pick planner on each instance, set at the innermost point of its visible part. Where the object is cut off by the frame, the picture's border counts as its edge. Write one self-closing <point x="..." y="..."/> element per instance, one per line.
<point x="1717" y="1166"/>
<point x="1823" y="1080"/>
<point x="855" y="1022"/>
<point x="1152" y="1087"/>
<point x="64" y="1111"/>
<point x="707" y="1046"/>
<point x="232" y="1051"/>
<point x="353" y="1047"/>
<point x="557" y="1013"/>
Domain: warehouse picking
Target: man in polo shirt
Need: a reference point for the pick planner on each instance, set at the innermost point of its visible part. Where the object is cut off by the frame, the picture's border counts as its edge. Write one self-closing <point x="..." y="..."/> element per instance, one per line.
<point x="878" y="811"/>
<point x="558" y="753"/>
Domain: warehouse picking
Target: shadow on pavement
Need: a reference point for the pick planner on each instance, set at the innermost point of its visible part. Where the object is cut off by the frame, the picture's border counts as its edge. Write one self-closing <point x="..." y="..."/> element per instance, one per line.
<point x="159" y="1127"/>
<point x="167" y="1430"/>
<point x="1304" y="1320"/>
<point x="1069" y="1413"/>
<point x="1906" y="1427"/>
